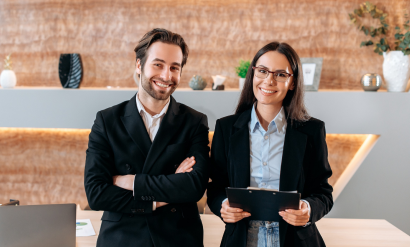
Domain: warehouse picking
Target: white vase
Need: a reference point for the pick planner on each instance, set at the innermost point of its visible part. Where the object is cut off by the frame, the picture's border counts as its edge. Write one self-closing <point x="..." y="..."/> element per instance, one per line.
<point x="8" y="78"/>
<point x="241" y="83"/>
<point x="396" y="71"/>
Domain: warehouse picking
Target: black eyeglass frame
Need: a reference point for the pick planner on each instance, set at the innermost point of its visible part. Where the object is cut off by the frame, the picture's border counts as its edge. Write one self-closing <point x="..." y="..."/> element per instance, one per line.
<point x="273" y="72"/>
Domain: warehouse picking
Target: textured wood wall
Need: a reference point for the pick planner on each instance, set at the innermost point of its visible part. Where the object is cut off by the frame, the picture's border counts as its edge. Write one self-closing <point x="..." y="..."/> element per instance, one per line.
<point x="219" y="33"/>
<point x="43" y="166"/>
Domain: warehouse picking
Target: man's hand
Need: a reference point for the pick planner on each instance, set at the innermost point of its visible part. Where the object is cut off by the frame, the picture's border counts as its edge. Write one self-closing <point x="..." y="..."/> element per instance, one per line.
<point x="232" y="215"/>
<point x="296" y="217"/>
<point x="186" y="165"/>
<point x="124" y="181"/>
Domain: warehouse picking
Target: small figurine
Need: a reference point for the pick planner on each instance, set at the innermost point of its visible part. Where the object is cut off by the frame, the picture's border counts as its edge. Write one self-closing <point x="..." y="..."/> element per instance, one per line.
<point x="218" y="82"/>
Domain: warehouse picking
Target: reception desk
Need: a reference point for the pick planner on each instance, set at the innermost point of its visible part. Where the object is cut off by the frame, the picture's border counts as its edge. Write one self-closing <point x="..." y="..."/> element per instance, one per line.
<point x="335" y="232"/>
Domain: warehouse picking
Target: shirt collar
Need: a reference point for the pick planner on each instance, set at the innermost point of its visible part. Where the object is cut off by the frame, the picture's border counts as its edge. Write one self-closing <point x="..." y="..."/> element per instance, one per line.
<point x="279" y="120"/>
<point x="140" y="108"/>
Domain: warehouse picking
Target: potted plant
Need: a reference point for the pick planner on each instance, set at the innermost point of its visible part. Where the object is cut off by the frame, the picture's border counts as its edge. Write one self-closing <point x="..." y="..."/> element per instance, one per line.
<point x="396" y="64"/>
<point x="241" y="71"/>
<point x="8" y="77"/>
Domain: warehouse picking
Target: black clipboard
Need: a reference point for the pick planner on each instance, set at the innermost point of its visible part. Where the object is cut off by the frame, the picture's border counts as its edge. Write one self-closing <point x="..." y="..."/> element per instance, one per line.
<point x="262" y="204"/>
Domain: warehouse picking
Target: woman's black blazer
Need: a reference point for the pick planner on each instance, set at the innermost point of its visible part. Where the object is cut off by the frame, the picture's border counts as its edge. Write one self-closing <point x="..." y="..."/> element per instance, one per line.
<point x="304" y="168"/>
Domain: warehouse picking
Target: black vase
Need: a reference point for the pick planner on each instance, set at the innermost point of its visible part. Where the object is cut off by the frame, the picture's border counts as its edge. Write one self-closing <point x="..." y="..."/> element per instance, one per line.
<point x="70" y="70"/>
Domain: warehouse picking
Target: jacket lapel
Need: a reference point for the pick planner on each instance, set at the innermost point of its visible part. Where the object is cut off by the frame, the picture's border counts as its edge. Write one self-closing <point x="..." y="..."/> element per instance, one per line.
<point x="292" y="165"/>
<point x="292" y="159"/>
<point x="135" y="126"/>
<point x="240" y="154"/>
<point x="168" y="128"/>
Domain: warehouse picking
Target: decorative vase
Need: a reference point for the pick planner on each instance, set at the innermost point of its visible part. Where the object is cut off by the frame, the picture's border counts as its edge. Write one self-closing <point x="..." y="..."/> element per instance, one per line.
<point x="241" y="83"/>
<point x="70" y="70"/>
<point x="396" y="71"/>
<point x="371" y="82"/>
<point x="8" y="78"/>
<point x="197" y="83"/>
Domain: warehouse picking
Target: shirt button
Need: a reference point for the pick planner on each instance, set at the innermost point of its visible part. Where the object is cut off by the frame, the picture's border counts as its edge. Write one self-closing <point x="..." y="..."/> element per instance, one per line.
<point x="264" y="163"/>
<point x="266" y="137"/>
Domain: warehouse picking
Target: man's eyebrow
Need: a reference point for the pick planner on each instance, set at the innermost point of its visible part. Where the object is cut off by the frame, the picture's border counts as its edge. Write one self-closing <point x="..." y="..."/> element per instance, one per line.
<point x="162" y="61"/>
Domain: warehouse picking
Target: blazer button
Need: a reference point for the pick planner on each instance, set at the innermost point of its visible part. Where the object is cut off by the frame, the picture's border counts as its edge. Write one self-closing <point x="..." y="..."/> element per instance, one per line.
<point x="128" y="167"/>
<point x="176" y="166"/>
<point x="143" y="198"/>
<point x="173" y="210"/>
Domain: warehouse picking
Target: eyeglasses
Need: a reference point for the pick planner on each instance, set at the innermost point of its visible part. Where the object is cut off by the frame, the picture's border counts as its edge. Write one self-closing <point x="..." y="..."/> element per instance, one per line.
<point x="263" y="73"/>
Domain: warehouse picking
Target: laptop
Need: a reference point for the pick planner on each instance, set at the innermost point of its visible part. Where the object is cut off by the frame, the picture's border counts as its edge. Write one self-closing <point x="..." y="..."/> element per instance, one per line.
<point x="38" y="225"/>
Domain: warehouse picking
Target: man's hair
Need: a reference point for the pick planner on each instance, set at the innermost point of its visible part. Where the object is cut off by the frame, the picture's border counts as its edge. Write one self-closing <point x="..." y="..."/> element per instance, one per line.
<point x="164" y="36"/>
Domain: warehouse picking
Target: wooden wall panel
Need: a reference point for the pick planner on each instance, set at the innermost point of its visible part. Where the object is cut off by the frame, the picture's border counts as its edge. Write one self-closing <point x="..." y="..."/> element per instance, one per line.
<point x="342" y="149"/>
<point x="43" y="166"/>
<point x="219" y="33"/>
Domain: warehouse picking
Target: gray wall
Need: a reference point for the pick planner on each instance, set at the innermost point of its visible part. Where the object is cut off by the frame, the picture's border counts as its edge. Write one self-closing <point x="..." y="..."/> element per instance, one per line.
<point x="378" y="190"/>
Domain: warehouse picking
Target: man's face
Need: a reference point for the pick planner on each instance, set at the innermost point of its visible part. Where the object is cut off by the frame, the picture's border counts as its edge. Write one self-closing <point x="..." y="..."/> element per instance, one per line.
<point x="162" y="70"/>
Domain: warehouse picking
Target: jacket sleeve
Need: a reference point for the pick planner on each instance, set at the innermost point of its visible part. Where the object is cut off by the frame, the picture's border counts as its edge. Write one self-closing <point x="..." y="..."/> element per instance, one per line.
<point x="174" y="188"/>
<point x="317" y="191"/>
<point x="181" y="187"/>
<point x="219" y="172"/>
<point x="99" y="172"/>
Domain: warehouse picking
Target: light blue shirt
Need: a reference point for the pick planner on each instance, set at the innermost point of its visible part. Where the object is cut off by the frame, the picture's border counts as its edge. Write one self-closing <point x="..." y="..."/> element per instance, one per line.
<point x="266" y="149"/>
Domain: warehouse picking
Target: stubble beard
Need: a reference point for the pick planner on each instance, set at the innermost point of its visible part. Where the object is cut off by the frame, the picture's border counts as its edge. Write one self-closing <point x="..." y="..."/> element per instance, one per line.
<point x="158" y="95"/>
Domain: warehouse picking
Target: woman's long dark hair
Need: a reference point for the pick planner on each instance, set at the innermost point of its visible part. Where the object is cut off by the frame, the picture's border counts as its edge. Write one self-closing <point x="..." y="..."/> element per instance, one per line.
<point x="293" y="102"/>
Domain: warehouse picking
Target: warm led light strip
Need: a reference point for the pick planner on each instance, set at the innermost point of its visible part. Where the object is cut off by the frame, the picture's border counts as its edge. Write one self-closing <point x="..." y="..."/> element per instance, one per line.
<point x="354" y="165"/>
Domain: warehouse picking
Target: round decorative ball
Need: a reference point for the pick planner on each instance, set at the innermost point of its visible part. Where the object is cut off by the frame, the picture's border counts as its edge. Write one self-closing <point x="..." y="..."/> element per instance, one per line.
<point x="371" y="82"/>
<point x="197" y="83"/>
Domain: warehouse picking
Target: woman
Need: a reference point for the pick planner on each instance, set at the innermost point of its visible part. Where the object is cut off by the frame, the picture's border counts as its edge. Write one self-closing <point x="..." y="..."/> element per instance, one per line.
<point x="271" y="142"/>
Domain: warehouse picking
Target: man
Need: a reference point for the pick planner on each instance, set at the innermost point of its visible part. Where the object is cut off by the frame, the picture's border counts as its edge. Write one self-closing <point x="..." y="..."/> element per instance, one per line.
<point x="147" y="158"/>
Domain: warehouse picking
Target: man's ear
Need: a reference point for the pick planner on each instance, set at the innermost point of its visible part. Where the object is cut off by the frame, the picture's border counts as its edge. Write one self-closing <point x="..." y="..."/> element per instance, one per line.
<point x="138" y="66"/>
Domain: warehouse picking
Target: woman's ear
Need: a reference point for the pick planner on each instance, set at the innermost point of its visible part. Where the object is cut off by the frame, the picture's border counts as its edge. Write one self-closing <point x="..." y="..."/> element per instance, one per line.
<point x="292" y="85"/>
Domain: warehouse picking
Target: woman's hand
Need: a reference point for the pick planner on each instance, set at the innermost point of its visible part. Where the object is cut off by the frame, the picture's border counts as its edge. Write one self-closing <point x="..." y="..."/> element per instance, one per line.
<point x="296" y="217"/>
<point x="186" y="165"/>
<point x="232" y="215"/>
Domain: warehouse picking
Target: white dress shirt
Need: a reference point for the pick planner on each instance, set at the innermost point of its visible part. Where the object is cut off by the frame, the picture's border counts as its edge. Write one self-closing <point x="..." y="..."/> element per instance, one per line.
<point x="152" y="124"/>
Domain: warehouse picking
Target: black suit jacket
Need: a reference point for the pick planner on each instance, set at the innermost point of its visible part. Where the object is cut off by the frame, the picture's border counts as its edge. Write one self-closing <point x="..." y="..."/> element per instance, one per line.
<point x="118" y="145"/>
<point x="304" y="168"/>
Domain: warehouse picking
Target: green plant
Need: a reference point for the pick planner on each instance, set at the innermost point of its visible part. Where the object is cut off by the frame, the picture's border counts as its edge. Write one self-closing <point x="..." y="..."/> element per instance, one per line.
<point x="243" y="67"/>
<point x="401" y="37"/>
<point x="7" y="62"/>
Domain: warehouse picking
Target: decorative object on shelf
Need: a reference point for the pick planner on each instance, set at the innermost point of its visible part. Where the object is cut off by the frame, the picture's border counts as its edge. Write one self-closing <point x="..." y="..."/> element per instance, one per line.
<point x="8" y="77"/>
<point x="70" y="70"/>
<point x="396" y="70"/>
<point x="312" y="69"/>
<point x="197" y="83"/>
<point x="371" y="82"/>
<point x="241" y="71"/>
<point x="218" y="83"/>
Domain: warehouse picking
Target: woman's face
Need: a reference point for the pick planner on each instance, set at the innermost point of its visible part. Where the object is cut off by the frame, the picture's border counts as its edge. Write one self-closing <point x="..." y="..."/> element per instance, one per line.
<point x="268" y="91"/>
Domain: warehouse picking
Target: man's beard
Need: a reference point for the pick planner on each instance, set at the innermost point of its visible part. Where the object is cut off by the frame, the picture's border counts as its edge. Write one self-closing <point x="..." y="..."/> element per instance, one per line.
<point x="158" y="95"/>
